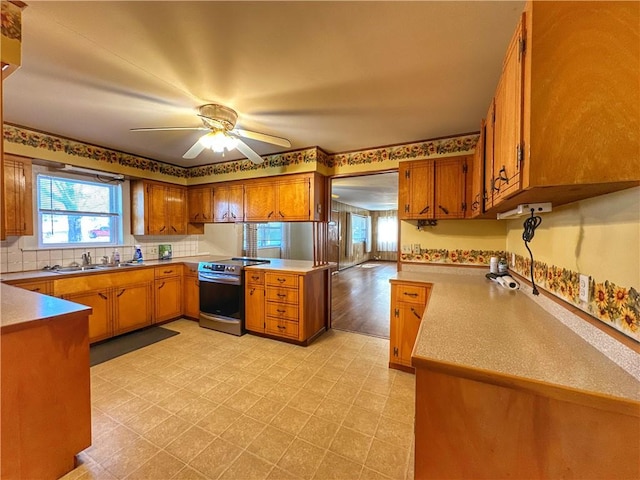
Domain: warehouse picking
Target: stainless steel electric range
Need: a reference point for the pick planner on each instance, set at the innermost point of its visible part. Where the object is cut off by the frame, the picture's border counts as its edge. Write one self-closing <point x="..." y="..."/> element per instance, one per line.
<point x="222" y="293"/>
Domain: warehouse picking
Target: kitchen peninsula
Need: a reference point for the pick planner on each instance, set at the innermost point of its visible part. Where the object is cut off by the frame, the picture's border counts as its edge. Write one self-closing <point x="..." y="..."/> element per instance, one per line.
<point x="506" y="389"/>
<point x="45" y="403"/>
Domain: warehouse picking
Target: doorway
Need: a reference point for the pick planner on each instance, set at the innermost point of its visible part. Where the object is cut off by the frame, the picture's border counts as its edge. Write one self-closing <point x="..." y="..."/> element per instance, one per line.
<point x="362" y="241"/>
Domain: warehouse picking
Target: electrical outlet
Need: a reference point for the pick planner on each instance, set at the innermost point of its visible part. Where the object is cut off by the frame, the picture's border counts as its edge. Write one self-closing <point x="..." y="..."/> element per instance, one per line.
<point x="584" y="288"/>
<point x="153" y="250"/>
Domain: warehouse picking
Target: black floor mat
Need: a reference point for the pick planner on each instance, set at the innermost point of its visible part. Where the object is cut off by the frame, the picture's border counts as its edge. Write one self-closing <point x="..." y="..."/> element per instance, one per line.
<point x="127" y="343"/>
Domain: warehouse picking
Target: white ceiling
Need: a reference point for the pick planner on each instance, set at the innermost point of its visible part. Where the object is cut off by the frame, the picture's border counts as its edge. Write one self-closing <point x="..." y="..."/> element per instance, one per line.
<point x="370" y="192"/>
<point x="339" y="75"/>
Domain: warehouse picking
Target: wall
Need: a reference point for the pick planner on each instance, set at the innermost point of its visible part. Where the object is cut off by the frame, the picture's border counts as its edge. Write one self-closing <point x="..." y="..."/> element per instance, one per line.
<point x="221" y="239"/>
<point x="301" y="236"/>
<point x="453" y="241"/>
<point x="598" y="237"/>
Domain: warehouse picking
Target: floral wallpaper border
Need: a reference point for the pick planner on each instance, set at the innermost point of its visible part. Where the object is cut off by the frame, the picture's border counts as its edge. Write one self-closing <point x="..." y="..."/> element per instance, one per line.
<point x="615" y="305"/>
<point x="32" y="138"/>
<point x="428" y="148"/>
<point x="457" y="257"/>
<point x="11" y="21"/>
<point x="52" y="143"/>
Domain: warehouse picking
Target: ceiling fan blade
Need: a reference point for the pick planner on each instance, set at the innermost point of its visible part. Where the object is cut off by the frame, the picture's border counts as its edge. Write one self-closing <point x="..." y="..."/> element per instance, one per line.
<point x="244" y="149"/>
<point x="195" y="150"/>
<point x="263" y="137"/>
<point x="158" y="129"/>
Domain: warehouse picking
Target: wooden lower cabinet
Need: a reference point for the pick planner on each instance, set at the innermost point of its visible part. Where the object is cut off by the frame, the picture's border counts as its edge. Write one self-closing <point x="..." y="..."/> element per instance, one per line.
<point x="168" y="293"/>
<point x="284" y="305"/>
<point x="408" y="303"/>
<point x="481" y="424"/>
<point x="191" y="293"/>
<point x="101" y="318"/>
<point x="38" y="286"/>
<point x="121" y="302"/>
<point x="133" y="307"/>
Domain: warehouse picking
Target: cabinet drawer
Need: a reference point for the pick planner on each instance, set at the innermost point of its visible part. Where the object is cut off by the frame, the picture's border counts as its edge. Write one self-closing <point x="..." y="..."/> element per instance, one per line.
<point x="282" y="295"/>
<point x="284" y="328"/>
<point x="168" y="271"/>
<point x="287" y="280"/>
<point x="254" y="278"/>
<point x="43" y="287"/>
<point x="279" y="310"/>
<point x="411" y="294"/>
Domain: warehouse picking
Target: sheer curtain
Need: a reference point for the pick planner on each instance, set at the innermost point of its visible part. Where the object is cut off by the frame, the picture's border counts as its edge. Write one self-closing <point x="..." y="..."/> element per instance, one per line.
<point x="387" y="229"/>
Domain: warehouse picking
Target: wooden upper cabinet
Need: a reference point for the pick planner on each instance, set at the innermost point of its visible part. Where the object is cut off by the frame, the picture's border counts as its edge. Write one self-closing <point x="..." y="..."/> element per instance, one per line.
<point x="158" y="209"/>
<point x="567" y="122"/>
<point x="450" y="180"/>
<point x="416" y="189"/>
<point x="200" y="204"/>
<point x="18" y="203"/>
<point x="507" y="128"/>
<point x="475" y="178"/>
<point x="260" y="202"/>
<point x="285" y="199"/>
<point x="432" y="189"/>
<point x="228" y="203"/>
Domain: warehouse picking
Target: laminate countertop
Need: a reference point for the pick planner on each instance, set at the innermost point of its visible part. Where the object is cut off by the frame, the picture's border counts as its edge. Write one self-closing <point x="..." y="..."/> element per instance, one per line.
<point x="291" y="266"/>
<point x="476" y="328"/>
<point x="23" y="309"/>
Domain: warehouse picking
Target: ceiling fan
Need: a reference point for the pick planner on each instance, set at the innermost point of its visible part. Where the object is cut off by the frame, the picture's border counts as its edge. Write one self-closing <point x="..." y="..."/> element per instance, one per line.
<point x="220" y="121"/>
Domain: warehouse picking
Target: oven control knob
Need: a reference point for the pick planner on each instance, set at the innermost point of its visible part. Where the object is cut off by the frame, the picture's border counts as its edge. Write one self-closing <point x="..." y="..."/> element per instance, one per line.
<point x="232" y="269"/>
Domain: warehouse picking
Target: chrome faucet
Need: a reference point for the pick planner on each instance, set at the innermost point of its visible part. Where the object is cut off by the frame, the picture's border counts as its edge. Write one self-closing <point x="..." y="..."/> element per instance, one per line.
<point x="86" y="259"/>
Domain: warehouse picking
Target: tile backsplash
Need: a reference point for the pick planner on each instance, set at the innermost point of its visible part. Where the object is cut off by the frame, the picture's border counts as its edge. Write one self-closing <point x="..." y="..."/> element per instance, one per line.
<point x="15" y="258"/>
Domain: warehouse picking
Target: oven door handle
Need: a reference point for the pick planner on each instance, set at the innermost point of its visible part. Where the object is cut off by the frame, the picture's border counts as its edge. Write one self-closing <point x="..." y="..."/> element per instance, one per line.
<point x="228" y="279"/>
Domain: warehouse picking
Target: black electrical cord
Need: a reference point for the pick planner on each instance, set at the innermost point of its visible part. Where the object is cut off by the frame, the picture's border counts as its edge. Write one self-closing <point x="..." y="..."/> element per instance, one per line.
<point x="530" y="225"/>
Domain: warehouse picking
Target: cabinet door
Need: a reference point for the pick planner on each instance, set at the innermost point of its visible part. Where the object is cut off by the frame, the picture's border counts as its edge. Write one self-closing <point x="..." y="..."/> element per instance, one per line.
<point x="293" y="200"/>
<point x="18" y="215"/>
<point x="410" y="318"/>
<point x="100" y="324"/>
<point x="177" y="210"/>
<point x="191" y="296"/>
<point x="200" y="204"/>
<point x="133" y="307"/>
<point x="220" y="204"/>
<point x="475" y="179"/>
<point x="168" y="298"/>
<point x="450" y="188"/>
<point x="489" y="180"/>
<point x="260" y="202"/>
<point x="157" y="222"/>
<point x="508" y="124"/>
<point x="235" y="200"/>
<point x="421" y="188"/>
<point x="254" y="308"/>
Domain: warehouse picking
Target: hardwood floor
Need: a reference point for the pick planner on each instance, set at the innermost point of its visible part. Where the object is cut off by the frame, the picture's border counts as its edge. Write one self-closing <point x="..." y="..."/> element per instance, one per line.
<point x="360" y="298"/>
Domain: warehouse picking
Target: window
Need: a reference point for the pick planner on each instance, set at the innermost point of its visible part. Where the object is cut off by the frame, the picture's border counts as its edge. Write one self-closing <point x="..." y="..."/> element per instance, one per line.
<point x="387" y="234"/>
<point x="269" y="234"/>
<point x="78" y="212"/>
<point x="358" y="228"/>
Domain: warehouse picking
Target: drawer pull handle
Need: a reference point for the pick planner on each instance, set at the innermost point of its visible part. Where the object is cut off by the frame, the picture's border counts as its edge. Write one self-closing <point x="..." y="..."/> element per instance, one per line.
<point x="280" y="327"/>
<point x="415" y="313"/>
<point x="282" y="280"/>
<point x="255" y="277"/>
<point x="281" y="295"/>
<point x="410" y="294"/>
<point x="37" y="289"/>
<point x="167" y="271"/>
<point x="280" y="311"/>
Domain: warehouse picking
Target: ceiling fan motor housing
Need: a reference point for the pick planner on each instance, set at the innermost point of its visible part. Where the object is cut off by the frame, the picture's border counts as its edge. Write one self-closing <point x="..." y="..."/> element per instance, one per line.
<point x="218" y="117"/>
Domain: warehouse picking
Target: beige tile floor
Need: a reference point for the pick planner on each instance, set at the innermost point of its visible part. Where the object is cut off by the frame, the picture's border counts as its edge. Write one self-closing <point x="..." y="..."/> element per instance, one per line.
<point x="204" y="404"/>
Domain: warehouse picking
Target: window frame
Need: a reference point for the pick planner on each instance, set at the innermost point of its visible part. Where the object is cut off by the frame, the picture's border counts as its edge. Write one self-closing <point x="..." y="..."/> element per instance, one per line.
<point x="116" y="213"/>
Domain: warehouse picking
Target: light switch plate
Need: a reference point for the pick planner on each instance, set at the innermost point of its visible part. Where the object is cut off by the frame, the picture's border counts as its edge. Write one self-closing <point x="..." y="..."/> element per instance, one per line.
<point x="584" y="288"/>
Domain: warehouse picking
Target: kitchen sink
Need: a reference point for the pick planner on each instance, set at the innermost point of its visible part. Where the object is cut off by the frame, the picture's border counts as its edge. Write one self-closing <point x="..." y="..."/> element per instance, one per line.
<point x="89" y="268"/>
